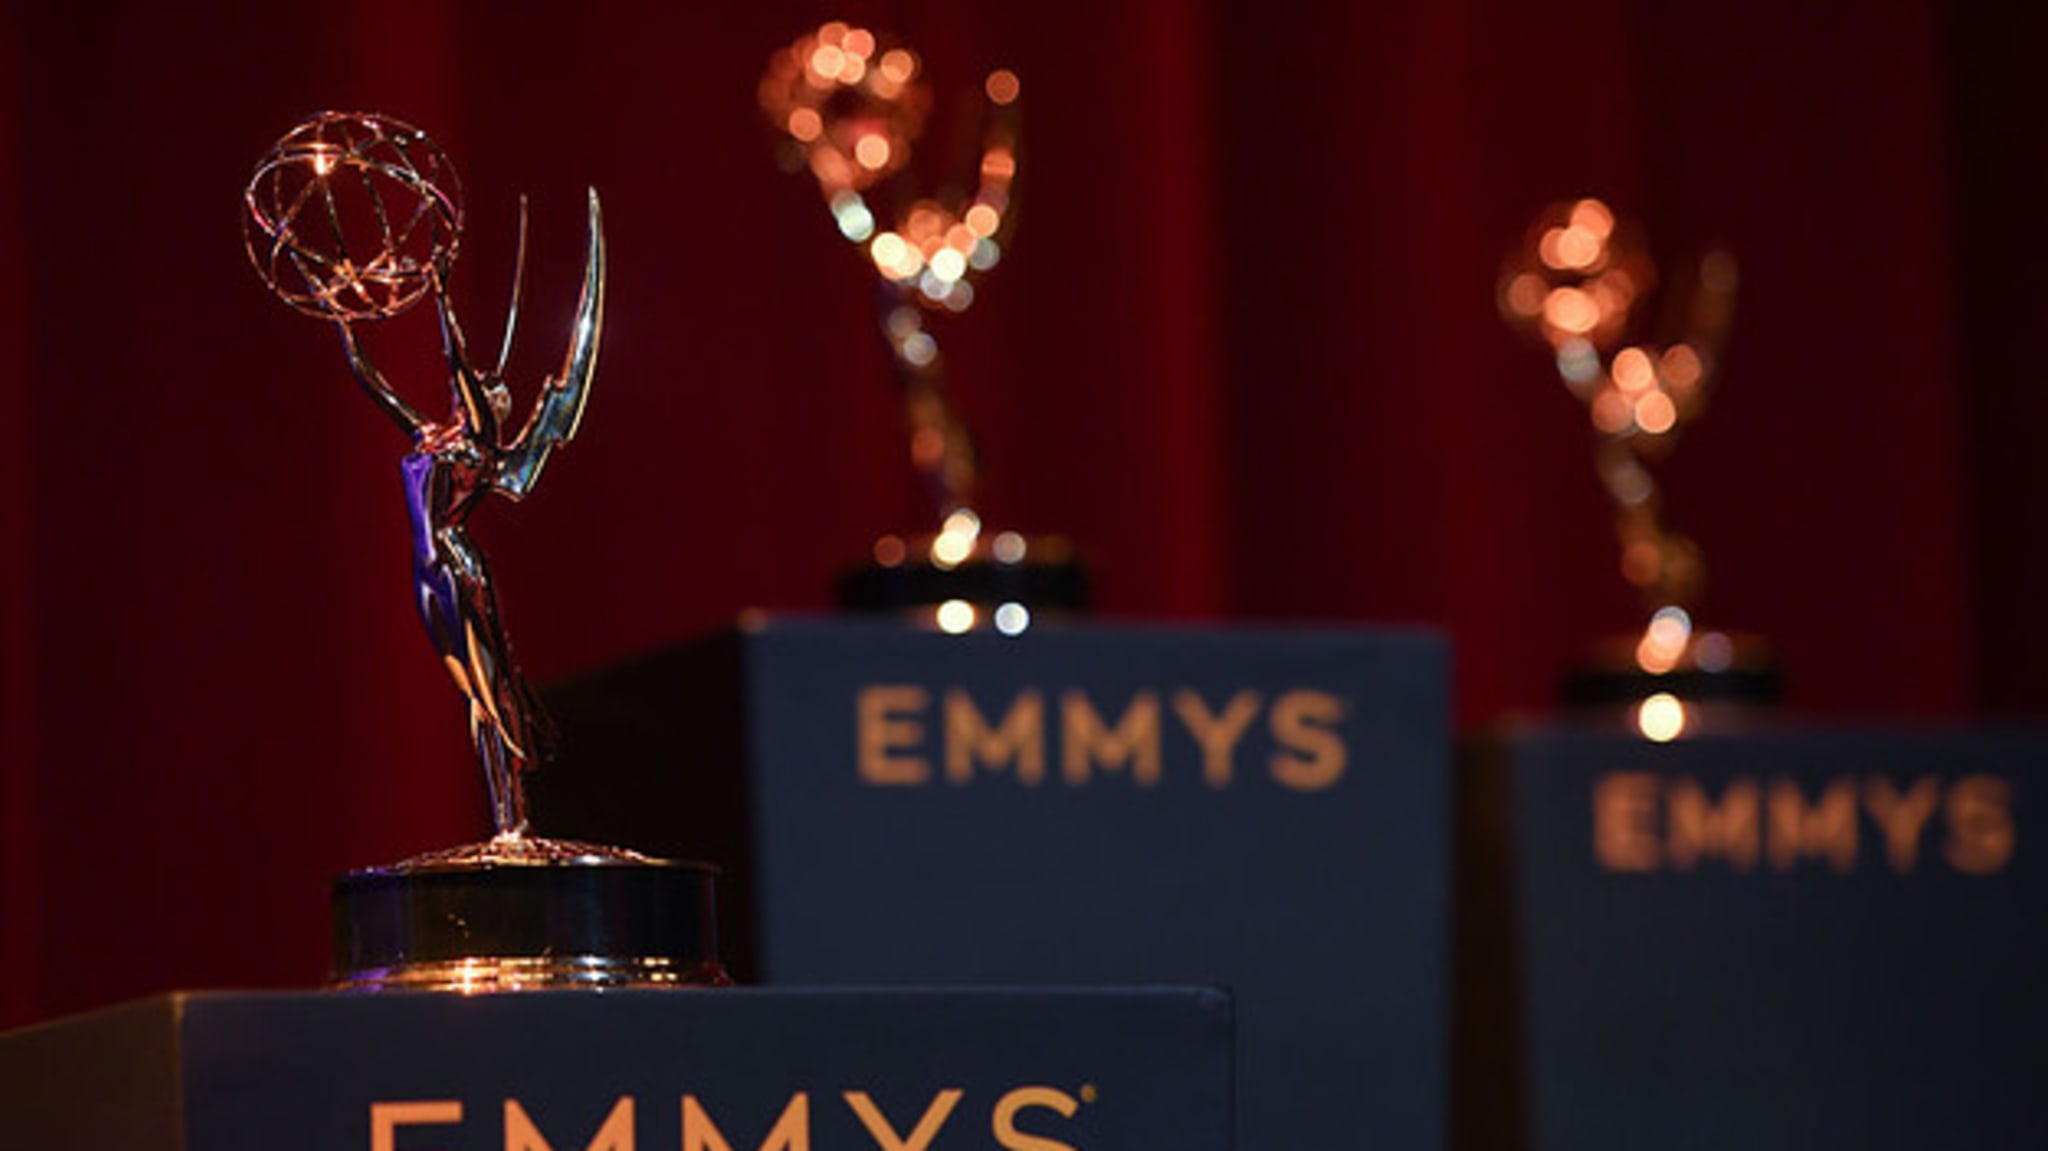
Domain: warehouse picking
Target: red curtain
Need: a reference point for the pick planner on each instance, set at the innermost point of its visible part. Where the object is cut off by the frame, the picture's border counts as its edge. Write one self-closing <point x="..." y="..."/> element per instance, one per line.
<point x="1243" y="349"/>
<point x="20" y="887"/>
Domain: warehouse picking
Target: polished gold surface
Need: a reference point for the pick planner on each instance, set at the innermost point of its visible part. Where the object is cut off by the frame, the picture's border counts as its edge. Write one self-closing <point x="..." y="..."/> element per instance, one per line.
<point x="1579" y="284"/>
<point x="852" y="106"/>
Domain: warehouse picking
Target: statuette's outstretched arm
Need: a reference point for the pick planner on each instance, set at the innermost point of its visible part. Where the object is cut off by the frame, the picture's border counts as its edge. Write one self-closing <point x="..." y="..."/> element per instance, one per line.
<point x="386" y="398"/>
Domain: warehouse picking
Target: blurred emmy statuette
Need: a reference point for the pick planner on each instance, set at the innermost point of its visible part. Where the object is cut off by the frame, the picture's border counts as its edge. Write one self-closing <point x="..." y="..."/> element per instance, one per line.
<point x="852" y="106"/>
<point x="1579" y="284"/>
<point x="353" y="218"/>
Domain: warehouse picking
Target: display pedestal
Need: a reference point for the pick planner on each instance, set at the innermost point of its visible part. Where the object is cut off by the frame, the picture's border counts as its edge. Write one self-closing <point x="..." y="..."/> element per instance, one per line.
<point x="620" y="1070"/>
<point x="1783" y="938"/>
<point x="1264" y="810"/>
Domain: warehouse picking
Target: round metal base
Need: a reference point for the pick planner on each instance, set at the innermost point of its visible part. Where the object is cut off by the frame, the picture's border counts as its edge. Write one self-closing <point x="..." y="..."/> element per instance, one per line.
<point x="525" y="914"/>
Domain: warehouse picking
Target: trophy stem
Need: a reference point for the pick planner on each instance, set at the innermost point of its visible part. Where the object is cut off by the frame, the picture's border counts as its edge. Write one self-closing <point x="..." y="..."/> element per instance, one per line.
<point x="507" y="789"/>
<point x="941" y="450"/>
<point x="1662" y="564"/>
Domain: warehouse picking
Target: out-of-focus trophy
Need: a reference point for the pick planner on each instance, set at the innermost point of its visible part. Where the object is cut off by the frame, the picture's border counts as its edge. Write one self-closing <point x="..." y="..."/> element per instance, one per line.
<point x="1579" y="284"/>
<point x="354" y="218"/>
<point x="852" y="106"/>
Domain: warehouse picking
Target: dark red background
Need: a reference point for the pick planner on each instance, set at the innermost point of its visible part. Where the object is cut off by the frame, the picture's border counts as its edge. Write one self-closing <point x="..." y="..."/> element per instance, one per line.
<point x="1244" y="349"/>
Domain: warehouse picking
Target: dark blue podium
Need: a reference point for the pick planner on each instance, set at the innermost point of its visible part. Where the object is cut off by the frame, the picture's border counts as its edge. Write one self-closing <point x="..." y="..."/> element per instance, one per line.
<point x="1784" y="938"/>
<point x="1263" y="809"/>
<point x="1048" y="1070"/>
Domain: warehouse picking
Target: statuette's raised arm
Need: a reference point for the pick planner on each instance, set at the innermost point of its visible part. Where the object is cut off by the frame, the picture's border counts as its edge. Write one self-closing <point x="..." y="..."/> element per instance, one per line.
<point x="387" y="400"/>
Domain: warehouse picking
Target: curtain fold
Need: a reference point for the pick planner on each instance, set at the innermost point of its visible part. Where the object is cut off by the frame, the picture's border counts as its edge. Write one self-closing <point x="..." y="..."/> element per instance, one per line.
<point x="20" y="874"/>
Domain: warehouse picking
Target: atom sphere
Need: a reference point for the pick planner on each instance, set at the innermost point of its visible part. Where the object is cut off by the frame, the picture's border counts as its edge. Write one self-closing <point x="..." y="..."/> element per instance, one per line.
<point x="349" y="216"/>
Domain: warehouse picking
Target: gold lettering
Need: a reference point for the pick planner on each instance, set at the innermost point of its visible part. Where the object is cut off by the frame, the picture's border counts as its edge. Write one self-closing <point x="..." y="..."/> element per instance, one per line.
<point x="615" y="1134"/>
<point x="1625" y="821"/>
<point x="387" y="1118"/>
<point x="792" y="1131"/>
<point x="888" y="725"/>
<point x="1827" y="828"/>
<point x="1218" y="734"/>
<point x="1133" y="742"/>
<point x="1004" y="1121"/>
<point x="1302" y="723"/>
<point x="885" y="1135"/>
<point x="1020" y="738"/>
<point x="1700" y="827"/>
<point x="1980" y="830"/>
<point x="1901" y="817"/>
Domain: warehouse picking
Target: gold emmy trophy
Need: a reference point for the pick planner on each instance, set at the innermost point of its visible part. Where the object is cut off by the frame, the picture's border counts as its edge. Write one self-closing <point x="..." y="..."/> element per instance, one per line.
<point x="354" y="218"/>
<point x="1579" y="284"/>
<point x="853" y="106"/>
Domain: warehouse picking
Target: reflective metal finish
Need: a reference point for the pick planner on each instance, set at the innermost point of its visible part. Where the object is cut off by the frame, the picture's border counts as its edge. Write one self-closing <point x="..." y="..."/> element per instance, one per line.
<point x="853" y="105"/>
<point x="476" y="975"/>
<point x="1579" y="284"/>
<point x="348" y="215"/>
<point x="355" y="218"/>
<point x="352" y="218"/>
<point x="519" y="913"/>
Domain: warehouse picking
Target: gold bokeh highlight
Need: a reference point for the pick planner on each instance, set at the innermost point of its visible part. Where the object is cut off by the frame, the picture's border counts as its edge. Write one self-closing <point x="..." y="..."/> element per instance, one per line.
<point x="1577" y="285"/>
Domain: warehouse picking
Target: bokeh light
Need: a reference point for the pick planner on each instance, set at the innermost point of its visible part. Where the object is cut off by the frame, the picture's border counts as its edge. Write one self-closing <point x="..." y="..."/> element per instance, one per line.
<point x="855" y="106"/>
<point x="955" y="616"/>
<point x="852" y="107"/>
<point x="1665" y="640"/>
<point x="1012" y="618"/>
<point x="1577" y="284"/>
<point x="1656" y="414"/>
<point x="1662" y="717"/>
<point x="1714" y="652"/>
<point x="956" y="539"/>
<point x="1632" y="371"/>
<point x="1571" y="310"/>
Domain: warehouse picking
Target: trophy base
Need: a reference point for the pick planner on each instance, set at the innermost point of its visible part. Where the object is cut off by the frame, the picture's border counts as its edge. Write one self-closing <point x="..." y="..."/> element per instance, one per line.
<point x="1001" y="581"/>
<point x="1715" y="669"/>
<point x="519" y="914"/>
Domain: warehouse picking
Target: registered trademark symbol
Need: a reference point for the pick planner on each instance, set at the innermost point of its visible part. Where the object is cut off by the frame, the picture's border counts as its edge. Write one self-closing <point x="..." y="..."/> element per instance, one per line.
<point x="1088" y="1093"/>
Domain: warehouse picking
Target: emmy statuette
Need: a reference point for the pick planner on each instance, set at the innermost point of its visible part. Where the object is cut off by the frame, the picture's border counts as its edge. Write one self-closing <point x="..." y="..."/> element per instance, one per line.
<point x="1578" y="284"/>
<point x="354" y="218"/>
<point x="852" y="106"/>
